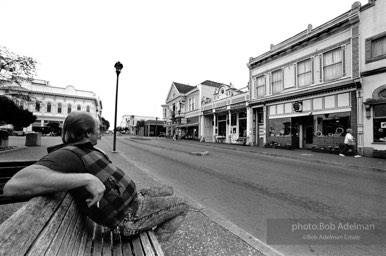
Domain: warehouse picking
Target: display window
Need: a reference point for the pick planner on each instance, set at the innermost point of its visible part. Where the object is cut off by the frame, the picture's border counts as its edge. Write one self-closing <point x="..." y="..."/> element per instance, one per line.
<point x="379" y="123"/>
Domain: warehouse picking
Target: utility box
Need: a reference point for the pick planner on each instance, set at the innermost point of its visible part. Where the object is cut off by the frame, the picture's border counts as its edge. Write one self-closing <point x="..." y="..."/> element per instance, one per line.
<point x="33" y="139"/>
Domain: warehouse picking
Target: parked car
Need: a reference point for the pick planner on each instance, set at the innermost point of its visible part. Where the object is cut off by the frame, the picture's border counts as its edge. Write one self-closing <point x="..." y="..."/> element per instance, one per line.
<point x="18" y="133"/>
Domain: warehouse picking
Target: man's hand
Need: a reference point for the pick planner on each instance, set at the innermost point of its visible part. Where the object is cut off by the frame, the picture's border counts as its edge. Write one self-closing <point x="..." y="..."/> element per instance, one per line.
<point x="96" y="189"/>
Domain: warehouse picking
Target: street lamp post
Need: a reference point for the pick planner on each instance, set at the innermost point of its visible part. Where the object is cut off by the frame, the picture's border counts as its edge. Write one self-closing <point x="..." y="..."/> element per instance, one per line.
<point x="118" y="67"/>
<point x="156" y="124"/>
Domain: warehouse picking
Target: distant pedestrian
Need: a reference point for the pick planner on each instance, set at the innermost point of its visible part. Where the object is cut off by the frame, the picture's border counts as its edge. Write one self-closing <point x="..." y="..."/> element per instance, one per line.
<point x="349" y="143"/>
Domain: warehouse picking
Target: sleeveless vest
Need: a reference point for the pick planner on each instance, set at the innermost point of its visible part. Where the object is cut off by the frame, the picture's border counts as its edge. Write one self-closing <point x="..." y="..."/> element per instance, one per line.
<point x="120" y="189"/>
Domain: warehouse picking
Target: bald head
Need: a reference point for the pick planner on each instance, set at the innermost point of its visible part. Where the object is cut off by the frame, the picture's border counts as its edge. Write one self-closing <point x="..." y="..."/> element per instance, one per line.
<point x="77" y="125"/>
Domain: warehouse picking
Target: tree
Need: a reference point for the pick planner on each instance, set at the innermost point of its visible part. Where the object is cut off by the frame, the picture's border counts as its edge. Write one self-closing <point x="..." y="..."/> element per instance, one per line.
<point x="15" y="68"/>
<point x="13" y="114"/>
<point x="105" y="124"/>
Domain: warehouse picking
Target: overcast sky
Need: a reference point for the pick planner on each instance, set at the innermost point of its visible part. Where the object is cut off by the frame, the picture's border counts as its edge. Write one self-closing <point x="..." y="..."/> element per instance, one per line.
<point x="77" y="42"/>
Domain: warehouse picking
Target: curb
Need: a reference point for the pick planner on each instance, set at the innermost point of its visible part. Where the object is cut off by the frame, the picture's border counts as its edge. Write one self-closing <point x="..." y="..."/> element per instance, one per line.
<point x="12" y="148"/>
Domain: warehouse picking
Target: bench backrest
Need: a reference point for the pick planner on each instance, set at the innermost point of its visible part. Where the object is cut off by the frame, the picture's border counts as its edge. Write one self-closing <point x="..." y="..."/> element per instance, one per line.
<point x="53" y="225"/>
<point x="7" y="170"/>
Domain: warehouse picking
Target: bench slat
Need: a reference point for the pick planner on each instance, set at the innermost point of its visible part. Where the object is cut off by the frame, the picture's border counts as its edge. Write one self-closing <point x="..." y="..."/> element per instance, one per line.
<point x="86" y="241"/>
<point x="126" y="247"/>
<point x="97" y="245"/>
<point x="61" y="235"/>
<point x="76" y="239"/>
<point x="117" y="245"/>
<point x="32" y="216"/>
<point x="156" y="245"/>
<point x="137" y="246"/>
<point x="43" y="242"/>
<point x="107" y="242"/>
<point x="147" y="247"/>
<point x="71" y="235"/>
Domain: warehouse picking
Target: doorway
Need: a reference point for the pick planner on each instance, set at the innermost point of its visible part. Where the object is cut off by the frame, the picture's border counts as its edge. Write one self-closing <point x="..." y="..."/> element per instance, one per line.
<point x="305" y="131"/>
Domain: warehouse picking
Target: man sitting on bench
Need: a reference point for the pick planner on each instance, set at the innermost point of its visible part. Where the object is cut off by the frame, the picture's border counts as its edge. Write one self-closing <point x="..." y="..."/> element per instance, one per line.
<point x="103" y="192"/>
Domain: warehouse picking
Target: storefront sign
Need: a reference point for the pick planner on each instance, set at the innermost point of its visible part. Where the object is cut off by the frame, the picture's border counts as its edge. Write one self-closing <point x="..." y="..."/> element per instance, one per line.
<point x="238" y="105"/>
<point x="221" y="109"/>
<point x="183" y="121"/>
<point x="207" y="112"/>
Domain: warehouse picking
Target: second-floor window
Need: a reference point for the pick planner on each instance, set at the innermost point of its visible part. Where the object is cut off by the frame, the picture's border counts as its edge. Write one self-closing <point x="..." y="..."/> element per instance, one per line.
<point x="333" y="64"/>
<point x="79" y="108"/>
<point x="88" y="108"/>
<point x="48" y="107"/>
<point x="277" y="81"/>
<point x="378" y="47"/>
<point x="260" y="86"/>
<point x="69" y="108"/>
<point x="37" y="107"/>
<point x="192" y="103"/>
<point x="305" y="73"/>
<point x="59" y="108"/>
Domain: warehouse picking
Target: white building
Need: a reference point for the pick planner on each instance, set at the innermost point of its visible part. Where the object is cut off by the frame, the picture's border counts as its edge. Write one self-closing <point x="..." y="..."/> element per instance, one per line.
<point x="52" y="104"/>
<point x="130" y="122"/>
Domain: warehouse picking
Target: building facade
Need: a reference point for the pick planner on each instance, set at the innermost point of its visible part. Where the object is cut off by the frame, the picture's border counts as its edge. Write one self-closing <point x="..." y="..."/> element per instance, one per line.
<point x="182" y="109"/>
<point x="372" y="123"/>
<point x="226" y="116"/>
<point x="129" y="122"/>
<point x="304" y="90"/>
<point x="52" y="104"/>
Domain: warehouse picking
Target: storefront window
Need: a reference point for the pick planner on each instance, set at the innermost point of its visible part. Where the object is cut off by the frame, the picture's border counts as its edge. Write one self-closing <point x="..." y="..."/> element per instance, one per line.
<point x="281" y="127"/>
<point x="242" y="124"/>
<point x="222" y="125"/>
<point x="379" y="123"/>
<point x="233" y="119"/>
<point x="332" y="124"/>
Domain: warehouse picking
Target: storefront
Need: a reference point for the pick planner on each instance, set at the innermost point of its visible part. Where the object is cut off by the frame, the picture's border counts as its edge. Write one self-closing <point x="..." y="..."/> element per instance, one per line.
<point x="189" y="128"/>
<point x="312" y="122"/>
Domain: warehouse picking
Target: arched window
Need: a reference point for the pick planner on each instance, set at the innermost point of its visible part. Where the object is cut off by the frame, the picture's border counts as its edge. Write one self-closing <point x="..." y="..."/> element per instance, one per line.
<point x="59" y="108"/>
<point x="69" y="108"/>
<point x="79" y="108"/>
<point x="37" y="107"/>
<point x="48" y="107"/>
<point x="88" y="108"/>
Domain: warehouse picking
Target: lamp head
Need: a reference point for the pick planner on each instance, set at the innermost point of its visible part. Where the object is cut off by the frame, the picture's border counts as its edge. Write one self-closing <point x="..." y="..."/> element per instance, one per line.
<point x="118" y="67"/>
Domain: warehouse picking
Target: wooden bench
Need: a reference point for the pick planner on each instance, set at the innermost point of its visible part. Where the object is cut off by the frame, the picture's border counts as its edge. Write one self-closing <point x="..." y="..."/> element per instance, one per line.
<point x="53" y="225"/>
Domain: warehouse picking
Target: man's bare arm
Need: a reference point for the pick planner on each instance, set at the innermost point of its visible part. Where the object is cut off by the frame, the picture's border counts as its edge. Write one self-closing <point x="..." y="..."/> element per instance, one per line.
<point x="37" y="180"/>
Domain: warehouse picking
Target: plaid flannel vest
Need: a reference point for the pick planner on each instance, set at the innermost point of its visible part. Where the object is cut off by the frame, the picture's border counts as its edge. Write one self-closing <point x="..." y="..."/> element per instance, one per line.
<point x="120" y="189"/>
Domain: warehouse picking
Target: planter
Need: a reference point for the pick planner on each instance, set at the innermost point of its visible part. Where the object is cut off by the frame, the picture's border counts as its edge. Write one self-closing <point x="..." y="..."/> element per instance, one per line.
<point x="4" y="139"/>
<point x="33" y="139"/>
